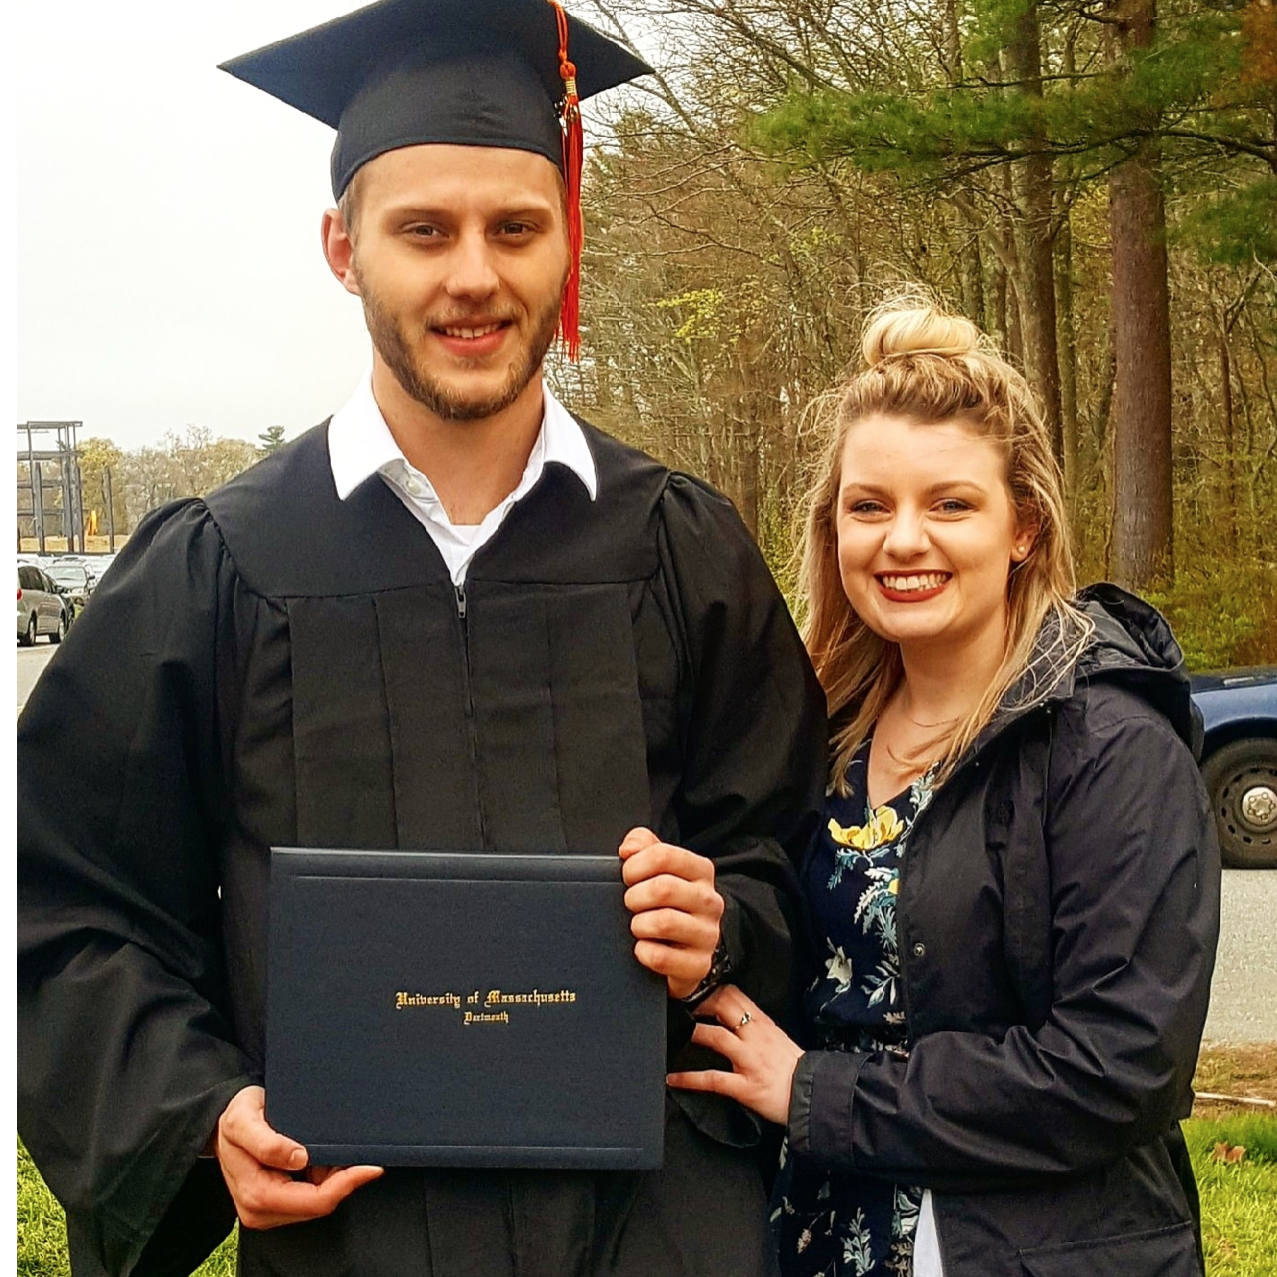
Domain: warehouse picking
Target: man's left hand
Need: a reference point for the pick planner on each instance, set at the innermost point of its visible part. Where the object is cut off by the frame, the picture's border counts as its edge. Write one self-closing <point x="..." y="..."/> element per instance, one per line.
<point x="670" y="892"/>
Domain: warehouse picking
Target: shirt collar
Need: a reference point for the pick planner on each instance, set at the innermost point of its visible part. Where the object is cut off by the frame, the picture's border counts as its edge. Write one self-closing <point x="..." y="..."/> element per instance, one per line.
<point x="360" y="443"/>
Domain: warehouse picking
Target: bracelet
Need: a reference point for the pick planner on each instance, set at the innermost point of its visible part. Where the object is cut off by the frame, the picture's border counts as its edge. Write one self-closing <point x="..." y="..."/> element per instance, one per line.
<point x="720" y="968"/>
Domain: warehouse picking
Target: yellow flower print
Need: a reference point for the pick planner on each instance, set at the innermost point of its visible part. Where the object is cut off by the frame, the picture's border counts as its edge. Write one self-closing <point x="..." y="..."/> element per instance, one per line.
<point x="894" y="886"/>
<point x="882" y="827"/>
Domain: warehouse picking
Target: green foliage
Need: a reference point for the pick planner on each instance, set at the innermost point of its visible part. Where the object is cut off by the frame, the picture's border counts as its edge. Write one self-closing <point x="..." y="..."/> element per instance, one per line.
<point x="1223" y="613"/>
<point x="1235" y="227"/>
<point x="272" y="439"/>
<point x="992" y="27"/>
<point x="882" y="132"/>
<point x="701" y="311"/>
<point x="1189" y="85"/>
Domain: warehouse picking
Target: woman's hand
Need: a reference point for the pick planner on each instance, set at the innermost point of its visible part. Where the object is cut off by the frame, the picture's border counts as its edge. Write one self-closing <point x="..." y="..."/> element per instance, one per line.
<point x="762" y="1055"/>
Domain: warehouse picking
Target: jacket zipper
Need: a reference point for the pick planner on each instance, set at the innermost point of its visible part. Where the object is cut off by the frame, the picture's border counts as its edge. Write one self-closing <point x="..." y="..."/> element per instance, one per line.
<point x="471" y="730"/>
<point x="973" y="760"/>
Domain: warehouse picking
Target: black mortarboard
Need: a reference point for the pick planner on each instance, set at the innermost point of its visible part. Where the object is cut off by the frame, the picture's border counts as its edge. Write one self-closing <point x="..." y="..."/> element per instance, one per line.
<point x="506" y="73"/>
<point x="468" y="72"/>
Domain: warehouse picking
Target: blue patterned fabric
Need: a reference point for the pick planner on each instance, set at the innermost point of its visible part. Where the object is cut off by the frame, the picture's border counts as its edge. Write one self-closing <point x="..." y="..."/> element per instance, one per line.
<point x="847" y="1225"/>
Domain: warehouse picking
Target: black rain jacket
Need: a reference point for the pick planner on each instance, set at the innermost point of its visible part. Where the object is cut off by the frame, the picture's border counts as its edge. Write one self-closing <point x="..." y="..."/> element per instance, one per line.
<point x="1058" y="916"/>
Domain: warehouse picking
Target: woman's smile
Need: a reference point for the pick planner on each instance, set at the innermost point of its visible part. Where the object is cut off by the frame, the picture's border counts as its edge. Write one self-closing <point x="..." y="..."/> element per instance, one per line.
<point x="914" y="587"/>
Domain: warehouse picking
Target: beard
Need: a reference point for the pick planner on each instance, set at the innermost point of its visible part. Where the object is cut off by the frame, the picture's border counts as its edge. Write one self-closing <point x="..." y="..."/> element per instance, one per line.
<point x="393" y="342"/>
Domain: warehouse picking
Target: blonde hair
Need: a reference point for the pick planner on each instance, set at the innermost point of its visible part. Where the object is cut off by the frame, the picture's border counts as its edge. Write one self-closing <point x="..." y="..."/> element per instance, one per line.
<point x="929" y="366"/>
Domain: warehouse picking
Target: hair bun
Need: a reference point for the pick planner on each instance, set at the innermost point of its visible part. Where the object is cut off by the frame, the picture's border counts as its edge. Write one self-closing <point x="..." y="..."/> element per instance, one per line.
<point x="895" y="330"/>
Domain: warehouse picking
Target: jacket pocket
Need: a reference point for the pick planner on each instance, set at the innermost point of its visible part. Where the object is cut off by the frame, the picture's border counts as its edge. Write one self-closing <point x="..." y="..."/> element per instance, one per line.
<point x="1158" y="1252"/>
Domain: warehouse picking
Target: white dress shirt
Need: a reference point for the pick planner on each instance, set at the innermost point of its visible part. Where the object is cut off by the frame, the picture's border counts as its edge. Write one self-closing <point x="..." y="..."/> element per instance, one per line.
<point x="360" y="445"/>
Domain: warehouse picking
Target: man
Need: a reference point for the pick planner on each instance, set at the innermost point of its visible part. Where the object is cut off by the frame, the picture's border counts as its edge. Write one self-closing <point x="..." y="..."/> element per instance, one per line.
<point x="452" y="617"/>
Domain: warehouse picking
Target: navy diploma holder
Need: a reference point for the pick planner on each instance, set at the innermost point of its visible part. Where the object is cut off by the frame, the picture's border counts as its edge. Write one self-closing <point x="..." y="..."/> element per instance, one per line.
<point x="461" y="1009"/>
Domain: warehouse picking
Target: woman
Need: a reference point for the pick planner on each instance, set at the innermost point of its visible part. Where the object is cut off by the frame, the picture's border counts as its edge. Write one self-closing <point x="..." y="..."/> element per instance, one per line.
<point x="1016" y="894"/>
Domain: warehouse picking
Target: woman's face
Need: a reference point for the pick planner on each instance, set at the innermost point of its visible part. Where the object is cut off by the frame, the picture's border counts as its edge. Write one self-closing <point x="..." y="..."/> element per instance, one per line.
<point x="927" y="532"/>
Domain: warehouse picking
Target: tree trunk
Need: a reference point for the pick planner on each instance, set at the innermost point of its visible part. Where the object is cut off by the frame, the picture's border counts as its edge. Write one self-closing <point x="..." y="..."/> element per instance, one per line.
<point x="1066" y="332"/>
<point x="1142" y="487"/>
<point x="1068" y="355"/>
<point x="747" y="485"/>
<point x="1230" y="445"/>
<point x="1013" y="304"/>
<point x="996" y="301"/>
<point x="1034" y="235"/>
<point x="972" y="272"/>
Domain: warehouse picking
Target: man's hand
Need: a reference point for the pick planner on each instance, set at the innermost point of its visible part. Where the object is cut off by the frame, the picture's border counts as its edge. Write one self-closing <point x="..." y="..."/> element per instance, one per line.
<point x="676" y="909"/>
<point x="762" y="1056"/>
<point x="259" y="1165"/>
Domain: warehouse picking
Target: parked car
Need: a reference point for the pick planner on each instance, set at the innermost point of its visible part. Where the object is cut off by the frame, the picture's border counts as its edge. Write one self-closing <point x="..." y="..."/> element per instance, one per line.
<point x="42" y="607"/>
<point x="1239" y="762"/>
<point x="74" y="580"/>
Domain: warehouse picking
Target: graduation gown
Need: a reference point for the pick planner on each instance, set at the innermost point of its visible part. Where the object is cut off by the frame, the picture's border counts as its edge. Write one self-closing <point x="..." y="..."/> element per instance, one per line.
<point x="275" y="666"/>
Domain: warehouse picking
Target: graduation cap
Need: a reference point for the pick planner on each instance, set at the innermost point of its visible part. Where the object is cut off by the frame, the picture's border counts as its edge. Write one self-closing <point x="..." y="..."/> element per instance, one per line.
<point x="505" y="73"/>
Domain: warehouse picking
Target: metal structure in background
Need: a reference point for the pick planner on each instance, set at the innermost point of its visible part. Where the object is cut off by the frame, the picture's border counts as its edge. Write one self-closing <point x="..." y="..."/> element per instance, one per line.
<point x="50" y="493"/>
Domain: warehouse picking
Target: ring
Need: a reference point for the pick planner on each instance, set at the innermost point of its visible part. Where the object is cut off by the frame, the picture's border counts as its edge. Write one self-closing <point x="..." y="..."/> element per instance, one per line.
<point x="744" y="1020"/>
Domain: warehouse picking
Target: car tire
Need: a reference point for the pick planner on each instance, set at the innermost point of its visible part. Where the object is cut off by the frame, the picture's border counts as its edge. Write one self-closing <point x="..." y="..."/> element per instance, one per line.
<point x="28" y="639"/>
<point x="61" y="632"/>
<point x="1241" y="779"/>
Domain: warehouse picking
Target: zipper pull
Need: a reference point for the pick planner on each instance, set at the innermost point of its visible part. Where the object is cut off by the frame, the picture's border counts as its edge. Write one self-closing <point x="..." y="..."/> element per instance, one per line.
<point x="461" y="601"/>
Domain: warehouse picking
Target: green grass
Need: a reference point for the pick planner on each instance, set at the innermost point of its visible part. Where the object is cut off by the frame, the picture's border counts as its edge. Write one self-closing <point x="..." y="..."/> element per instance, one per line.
<point x="42" y="1246"/>
<point x="1239" y="1199"/>
<point x="1239" y="1206"/>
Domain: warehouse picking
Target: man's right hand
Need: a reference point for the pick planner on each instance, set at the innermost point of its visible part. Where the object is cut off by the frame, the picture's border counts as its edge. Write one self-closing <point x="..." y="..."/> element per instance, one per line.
<point x="259" y="1165"/>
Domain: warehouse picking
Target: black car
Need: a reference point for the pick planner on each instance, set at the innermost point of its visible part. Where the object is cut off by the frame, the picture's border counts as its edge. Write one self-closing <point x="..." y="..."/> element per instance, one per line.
<point x="1239" y="762"/>
<point x="73" y="580"/>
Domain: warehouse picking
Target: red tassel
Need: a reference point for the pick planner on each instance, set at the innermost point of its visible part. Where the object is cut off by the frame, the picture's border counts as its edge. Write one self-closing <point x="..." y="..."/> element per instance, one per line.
<point x="573" y="159"/>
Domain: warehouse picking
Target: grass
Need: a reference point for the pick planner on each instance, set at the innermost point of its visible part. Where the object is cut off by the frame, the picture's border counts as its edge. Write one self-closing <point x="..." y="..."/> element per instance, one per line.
<point x="42" y="1247"/>
<point x="1239" y="1199"/>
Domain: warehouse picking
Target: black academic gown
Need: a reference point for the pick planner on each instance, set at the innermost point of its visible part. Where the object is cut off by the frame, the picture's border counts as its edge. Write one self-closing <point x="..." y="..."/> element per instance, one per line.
<point x="275" y="666"/>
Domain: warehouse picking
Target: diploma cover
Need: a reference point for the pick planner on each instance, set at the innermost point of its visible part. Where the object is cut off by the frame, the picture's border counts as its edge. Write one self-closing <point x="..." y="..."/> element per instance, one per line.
<point x="461" y="1009"/>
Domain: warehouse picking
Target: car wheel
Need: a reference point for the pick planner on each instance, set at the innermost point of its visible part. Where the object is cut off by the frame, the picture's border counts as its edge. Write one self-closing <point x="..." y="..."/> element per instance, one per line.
<point x="61" y="632"/>
<point x="1241" y="779"/>
<point x="28" y="639"/>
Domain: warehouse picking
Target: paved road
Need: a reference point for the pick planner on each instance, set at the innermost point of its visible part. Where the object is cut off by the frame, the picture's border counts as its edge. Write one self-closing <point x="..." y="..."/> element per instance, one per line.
<point x="31" y="661"/>
<point x="1244" y="992"/>
<point x="1244" y="996"/>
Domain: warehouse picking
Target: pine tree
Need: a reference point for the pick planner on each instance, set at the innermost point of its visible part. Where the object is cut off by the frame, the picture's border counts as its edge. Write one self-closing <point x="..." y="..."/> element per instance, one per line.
<point x="272" y="439"/>
<point x="1124" y="91"/>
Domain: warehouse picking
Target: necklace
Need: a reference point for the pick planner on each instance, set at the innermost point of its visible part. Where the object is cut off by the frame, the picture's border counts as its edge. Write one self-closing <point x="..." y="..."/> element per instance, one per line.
<point x="908" y="766"/>
<point x="944" y="722"/>
<point x="917" y="722"/>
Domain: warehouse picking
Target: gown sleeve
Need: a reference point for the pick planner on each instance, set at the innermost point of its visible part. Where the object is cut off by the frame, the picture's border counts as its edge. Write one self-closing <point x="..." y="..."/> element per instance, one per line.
<point x="1133" y="867"/>
<point x="754" y="718"/>
<point x="126" y="1054"/>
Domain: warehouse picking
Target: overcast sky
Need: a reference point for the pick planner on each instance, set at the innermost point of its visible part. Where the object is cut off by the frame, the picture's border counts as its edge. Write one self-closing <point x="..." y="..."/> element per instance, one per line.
<point x="169" y="266"/>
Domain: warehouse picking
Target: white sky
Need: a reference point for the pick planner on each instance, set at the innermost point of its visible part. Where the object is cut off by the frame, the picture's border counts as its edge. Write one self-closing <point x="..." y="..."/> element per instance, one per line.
<point x="169" y="269"/>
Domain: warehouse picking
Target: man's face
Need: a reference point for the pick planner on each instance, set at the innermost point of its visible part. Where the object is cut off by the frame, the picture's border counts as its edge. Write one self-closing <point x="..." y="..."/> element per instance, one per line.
<point x="460" y="256"/>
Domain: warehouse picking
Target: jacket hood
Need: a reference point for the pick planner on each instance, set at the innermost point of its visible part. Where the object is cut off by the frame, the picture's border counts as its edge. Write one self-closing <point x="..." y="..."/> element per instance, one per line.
<point x="1132" y="645"/>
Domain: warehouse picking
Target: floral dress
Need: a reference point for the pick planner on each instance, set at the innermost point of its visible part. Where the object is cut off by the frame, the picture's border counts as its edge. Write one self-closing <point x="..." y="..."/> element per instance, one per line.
<point x="833" y="1224"/>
